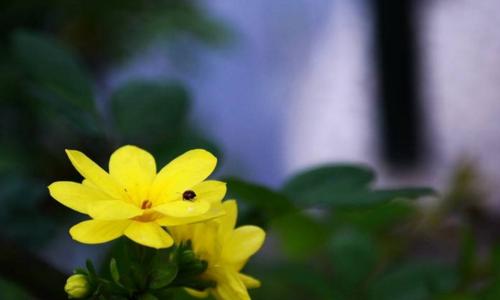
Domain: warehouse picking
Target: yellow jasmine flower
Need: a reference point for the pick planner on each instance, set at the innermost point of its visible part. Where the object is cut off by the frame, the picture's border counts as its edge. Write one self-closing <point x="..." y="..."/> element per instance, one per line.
<point x="134" y="200"/>
<point x="226" y="250"/>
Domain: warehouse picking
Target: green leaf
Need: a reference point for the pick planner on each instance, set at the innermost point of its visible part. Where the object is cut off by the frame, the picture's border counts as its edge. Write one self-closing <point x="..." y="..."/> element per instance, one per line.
<point x="149" y="112"/>
<point x="374" y="218"/>
<point x="343" y="186"/>
<point x="184" y="141"/>
<point x="336" y="177"/>
<point x="354" y="256"/>
<point x="300" y="235"/>
<point x="54" y="67"/>
<point x="257" y="204"/>
<point x="160" y="278"/>
<point x="164" y="270"/>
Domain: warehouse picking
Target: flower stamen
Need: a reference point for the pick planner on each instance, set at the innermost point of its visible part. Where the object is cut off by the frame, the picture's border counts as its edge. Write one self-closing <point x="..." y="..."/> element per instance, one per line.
<point x="146" y="204"/>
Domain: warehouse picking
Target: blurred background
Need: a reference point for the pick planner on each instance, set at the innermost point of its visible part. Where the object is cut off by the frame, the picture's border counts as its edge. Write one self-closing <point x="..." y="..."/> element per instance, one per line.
<point x="337" y="88"/>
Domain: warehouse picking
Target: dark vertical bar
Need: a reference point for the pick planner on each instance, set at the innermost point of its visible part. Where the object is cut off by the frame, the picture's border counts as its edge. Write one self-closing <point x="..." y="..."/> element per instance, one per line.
<point x="398" y="106"/>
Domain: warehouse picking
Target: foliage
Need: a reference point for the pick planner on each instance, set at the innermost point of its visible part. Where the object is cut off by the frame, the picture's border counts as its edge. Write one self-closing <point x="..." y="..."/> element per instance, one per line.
<point x="334" y="234"/>
<point x="346" y="240"/>
<point x="106" y="31"/>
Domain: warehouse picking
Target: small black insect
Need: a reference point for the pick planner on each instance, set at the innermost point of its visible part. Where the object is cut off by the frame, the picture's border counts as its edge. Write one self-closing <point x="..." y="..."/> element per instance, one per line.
<point x="188" y="195"/>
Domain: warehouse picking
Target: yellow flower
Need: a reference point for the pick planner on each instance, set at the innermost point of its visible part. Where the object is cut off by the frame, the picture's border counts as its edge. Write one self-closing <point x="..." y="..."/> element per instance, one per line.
<point x="133" y="200"/>
<point x="77" y="286"/>
<point x="226" y="250"/>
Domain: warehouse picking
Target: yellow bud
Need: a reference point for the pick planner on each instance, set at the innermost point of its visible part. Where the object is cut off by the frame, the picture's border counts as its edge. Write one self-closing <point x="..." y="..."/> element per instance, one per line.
<point x="77" y="286"/>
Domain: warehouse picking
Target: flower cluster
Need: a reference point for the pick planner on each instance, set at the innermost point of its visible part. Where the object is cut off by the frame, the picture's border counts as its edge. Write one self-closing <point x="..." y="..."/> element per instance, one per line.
<point x="170" y="208"/>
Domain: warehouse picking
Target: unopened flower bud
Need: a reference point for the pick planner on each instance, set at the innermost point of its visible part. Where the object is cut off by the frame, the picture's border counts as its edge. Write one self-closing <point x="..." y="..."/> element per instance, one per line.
<point x="187" y="257"/>
<point x="77" y="286"/>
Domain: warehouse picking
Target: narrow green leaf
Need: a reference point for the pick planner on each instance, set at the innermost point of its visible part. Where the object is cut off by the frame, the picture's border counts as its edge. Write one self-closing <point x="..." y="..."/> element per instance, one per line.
<point x="113" y="269"/>
<point x="91" y="270"/>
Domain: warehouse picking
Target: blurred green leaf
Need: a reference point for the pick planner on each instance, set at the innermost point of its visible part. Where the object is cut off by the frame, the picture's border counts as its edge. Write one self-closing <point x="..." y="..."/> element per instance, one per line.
<point x="20" y="217"/>
<point x="458" y="296"/>
<point x="301" y="235"/>
<point x="148" y="112"/>
<point x="335" y="177"/>
<point x="14" y="160"/>
<point x="491" y="292"/>
<point x="147" y="297"/>
<point x="58" y="81"/>
<point x="58" y="116"/>
<point x="415" y="280"/>
<point x="54" y="67"/>
<point x="11" y="291"/>
<point x="257" y="204"/>
<point x="343" y="186"/>
<point x="184" y="140"/>
<point x="467" y="259"/>
<point x="374" y="218"/>
<point x="354" y="256"/>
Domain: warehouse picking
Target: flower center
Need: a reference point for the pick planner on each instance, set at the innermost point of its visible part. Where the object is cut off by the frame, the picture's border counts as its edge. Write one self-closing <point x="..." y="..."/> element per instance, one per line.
<point x="146" y="204"/>
<point x="189" y="195"/>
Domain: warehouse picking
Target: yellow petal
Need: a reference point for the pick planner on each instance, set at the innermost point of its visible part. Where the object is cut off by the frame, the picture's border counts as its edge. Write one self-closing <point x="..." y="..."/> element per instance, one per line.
<point x="181" y="174"/>
<point x="113" y="210"/>
<point x="243" y="243"/>
<point x="75" y="195"/>
<point x="197" y="294"/>
<point x="89" y="183"/>
<point x="149" y="234"/>
<point x="205" y="242"/>
<point x="249" y="281"/>
<point x="228" y="221"/>
<point x="180" y="233"/>
<point x="91" y="171"/>
<point x="97" y="231"/>
<point x="134" y="169"/>
<point x="183" y="209"/>
<point x="215" y="211"/>
<point x="229" y="286"/>
<point x="211" y="190"/>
